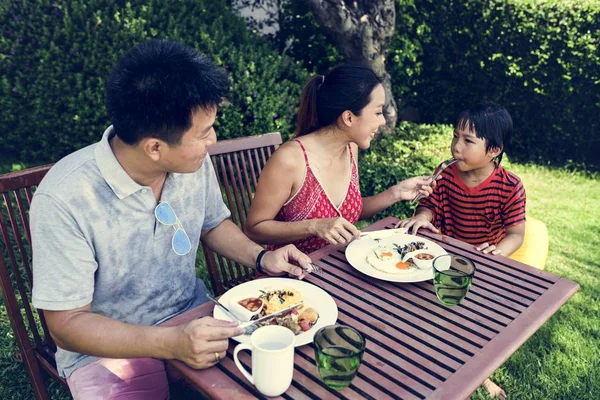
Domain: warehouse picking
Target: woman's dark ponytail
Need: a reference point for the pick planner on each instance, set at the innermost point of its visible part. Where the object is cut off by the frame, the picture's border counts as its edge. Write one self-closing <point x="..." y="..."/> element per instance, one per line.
<point x="308" y="118"/>
<point x="325" y="97"/>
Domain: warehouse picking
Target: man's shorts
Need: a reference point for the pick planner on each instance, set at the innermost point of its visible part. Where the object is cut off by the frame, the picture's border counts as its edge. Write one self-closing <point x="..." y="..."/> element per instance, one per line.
<point x="104" y="379"/>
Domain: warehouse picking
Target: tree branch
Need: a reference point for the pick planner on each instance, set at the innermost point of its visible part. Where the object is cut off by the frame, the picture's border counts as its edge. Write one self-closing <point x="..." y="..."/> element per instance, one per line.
<point x="363" y="31"/>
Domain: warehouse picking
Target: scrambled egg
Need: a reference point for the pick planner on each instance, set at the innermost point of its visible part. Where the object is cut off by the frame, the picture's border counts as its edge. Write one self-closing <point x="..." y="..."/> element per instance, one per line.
<point x="277" y="300"/>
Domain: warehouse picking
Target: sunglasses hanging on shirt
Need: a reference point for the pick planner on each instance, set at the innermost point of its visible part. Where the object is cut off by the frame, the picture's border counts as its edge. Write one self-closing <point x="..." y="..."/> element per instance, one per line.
<point x="180" y="242"/>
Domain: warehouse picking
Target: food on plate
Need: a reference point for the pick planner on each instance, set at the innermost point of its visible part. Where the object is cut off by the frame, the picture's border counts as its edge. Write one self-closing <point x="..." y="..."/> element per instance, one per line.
<point x="244" y="308"/>
<point x="277" y="300"/>
<point x="409" y="247"/>
<point x="298" y="320"/>
<point x="422" y="259"/>
<point x="384" y="254"/>
<point x="308" y="318"/>
<point x="425" y="256"/>
<point x="385" y="259"/>
<point x="251" y="304"/>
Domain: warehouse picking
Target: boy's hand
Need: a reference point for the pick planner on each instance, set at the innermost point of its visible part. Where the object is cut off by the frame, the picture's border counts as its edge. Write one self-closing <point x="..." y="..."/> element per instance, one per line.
<point x="487" y="249"/>
<point x="417" y="222"/>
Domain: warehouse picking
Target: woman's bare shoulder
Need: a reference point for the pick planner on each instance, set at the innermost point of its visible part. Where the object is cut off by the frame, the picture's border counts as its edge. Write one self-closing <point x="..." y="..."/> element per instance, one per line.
<point x="289" y="156"/>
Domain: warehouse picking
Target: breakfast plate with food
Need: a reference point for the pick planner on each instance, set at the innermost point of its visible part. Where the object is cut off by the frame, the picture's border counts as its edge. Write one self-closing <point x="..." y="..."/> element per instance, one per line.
<point x="261" y="297"/>
<point x="396" y="258"/>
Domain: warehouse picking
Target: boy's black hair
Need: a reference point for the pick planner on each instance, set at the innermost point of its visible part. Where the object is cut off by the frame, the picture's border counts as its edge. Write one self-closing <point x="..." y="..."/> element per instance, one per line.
<point x="155" y="88"/>
<point x="490" y="122"/>
<point x="325" y="97"/>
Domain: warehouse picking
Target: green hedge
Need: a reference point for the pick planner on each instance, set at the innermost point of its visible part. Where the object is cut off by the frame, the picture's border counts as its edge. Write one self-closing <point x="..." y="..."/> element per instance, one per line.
<point x="540" y="59"/>
<point x="411" y="150"/>
<point x="55" y="57"/>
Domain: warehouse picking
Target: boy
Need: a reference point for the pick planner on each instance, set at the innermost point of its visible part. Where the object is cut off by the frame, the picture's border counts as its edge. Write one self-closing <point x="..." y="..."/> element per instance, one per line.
<point x="476" y="200"/>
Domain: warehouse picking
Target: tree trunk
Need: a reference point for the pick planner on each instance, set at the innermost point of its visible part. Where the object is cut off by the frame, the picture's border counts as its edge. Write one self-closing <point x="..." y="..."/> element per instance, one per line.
<point x="362" y="30"/>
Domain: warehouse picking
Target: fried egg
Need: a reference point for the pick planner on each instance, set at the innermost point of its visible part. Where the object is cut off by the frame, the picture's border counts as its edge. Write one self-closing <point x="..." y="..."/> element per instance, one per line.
<point x="387" y="259"/>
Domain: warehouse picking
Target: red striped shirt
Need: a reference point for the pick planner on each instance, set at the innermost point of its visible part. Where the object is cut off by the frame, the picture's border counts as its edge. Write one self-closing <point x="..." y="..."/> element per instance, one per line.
<point x="479" y="214"/>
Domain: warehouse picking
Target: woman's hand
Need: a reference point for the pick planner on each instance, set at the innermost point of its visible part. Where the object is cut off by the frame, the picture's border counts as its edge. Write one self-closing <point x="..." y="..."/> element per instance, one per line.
<point x="334" y="230"/>
<point x="409" y="188"/>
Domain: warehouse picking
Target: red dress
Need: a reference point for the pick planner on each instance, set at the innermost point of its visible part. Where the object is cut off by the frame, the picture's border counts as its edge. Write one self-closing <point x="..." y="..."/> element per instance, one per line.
<point x="311" y="202"/>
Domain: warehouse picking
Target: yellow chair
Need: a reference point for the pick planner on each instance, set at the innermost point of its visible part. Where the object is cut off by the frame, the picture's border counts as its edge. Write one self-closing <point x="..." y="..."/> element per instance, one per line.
<point x="534" y="249"/>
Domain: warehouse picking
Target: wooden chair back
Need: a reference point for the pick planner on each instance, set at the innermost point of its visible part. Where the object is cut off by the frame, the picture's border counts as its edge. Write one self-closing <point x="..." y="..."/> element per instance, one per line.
<point x="237" y="163"/>
<point x="36" y="346"/>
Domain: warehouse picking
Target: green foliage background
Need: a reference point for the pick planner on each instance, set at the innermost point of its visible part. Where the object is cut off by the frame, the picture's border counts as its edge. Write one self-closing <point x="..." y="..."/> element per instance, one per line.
<point x="54" y="58"/>
<point x="538" y="58"/>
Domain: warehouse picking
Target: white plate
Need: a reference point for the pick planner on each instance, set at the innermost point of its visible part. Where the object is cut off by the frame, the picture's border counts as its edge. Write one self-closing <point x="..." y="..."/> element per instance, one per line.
<point x="313" y="296"/>
<point x="357" y="251"/>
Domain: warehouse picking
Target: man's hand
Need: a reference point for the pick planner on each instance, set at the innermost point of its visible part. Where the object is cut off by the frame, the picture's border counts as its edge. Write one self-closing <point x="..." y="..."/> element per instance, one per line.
<point x="334" y="230"/>
<point x="287" y="259"/>
<point x="200" y="341"/>
<point x="417" y="222"/>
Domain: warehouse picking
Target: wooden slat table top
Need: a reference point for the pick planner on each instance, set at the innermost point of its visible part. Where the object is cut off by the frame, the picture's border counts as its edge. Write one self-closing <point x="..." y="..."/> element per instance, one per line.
<point x="416" y="347"/>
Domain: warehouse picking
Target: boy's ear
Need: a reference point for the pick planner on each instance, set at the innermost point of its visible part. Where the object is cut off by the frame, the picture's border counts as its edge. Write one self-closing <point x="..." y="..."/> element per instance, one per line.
<point x="494" y="152"/>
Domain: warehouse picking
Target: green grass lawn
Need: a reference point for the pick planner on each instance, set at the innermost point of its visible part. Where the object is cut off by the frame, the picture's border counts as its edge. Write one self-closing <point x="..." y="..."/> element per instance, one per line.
<point x="562" y="358"/>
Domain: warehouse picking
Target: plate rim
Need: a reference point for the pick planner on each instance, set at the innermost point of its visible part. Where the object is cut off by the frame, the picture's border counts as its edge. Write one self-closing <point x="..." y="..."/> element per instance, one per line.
<point x="246" y="338"/>
<point x="374" y="273"/>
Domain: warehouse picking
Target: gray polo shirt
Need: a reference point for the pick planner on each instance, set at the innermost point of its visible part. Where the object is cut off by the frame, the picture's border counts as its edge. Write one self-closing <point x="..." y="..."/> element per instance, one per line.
<point x="96" y="241"/>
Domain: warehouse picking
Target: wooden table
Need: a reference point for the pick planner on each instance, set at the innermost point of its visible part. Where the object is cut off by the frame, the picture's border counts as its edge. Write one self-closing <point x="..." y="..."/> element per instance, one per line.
<point x="416" y="347"/>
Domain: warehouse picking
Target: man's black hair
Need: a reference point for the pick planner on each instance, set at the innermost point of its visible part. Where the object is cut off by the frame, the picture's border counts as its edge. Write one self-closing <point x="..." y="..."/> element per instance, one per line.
<point x="156" y="87"/>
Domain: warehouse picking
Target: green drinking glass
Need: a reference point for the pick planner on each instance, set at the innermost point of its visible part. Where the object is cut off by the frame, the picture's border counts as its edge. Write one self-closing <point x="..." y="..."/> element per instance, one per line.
<point x="338" y="352"/>
<point x="452" y="277"/>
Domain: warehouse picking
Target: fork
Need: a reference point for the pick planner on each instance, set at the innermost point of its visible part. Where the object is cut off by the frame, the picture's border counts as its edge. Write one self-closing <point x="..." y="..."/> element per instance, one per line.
<point x="437" y="173"/>
<point x="315" y="268"/>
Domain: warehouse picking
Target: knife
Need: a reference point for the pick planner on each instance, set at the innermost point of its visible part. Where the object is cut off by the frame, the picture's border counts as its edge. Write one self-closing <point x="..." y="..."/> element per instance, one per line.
<point x="251" y="326"/>
<point x="277" y="314"/>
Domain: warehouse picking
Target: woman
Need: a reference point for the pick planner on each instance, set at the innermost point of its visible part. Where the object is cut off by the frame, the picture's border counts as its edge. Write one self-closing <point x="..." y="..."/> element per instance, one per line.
<point x="308" y="193"/>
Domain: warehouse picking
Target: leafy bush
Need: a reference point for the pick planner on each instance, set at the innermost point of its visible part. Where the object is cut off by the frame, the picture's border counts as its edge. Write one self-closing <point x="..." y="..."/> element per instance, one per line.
<point x="538" y="58"/>
<point x="411" y="150"/>
<point x="55" y="57"/>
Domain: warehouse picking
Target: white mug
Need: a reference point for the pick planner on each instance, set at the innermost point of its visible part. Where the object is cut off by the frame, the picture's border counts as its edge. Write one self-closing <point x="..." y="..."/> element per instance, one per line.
<point x="272" y="350"/>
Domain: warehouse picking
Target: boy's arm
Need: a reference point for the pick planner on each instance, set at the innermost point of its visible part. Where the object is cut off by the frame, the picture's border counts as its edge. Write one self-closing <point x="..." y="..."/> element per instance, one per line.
<point x="513" y="216"/>
<point x="511" y="242"/>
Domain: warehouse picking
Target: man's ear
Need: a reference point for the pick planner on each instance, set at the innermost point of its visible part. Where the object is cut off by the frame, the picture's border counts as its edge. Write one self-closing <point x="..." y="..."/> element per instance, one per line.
<point x="347" y="118"/>
<point x="153" y="148"/>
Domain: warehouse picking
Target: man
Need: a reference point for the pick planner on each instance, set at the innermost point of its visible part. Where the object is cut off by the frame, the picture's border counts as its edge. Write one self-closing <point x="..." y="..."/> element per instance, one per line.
<point x="116" y="226"/>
